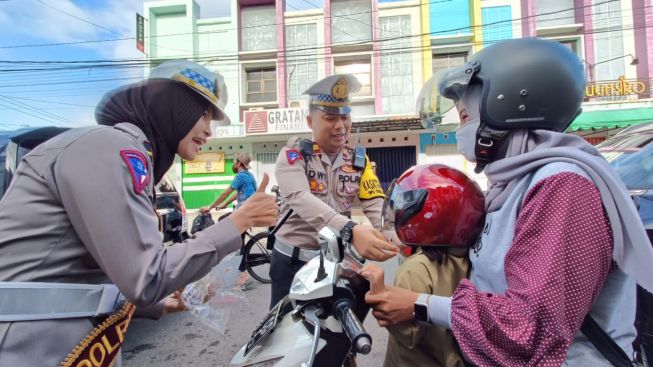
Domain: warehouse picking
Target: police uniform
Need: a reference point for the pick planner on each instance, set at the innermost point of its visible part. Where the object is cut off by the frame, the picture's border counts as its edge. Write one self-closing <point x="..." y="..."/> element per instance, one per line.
<point x="320" y="192"/>
<point x="80" y="210"/>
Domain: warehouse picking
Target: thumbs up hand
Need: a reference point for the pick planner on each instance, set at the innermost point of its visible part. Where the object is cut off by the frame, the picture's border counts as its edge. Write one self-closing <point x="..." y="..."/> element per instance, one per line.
<point x="260" y="210"/>
<point x="391" y="305"/>
<point x="375" y="275"/>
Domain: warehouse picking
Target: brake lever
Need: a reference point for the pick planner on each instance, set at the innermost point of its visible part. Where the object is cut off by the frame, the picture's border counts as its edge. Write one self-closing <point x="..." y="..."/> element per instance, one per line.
<point x="355" y="254"/>
<point x="312" y="315"/>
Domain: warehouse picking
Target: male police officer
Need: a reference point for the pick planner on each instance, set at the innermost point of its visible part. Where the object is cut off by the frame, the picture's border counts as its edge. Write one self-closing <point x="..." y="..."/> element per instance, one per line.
<point x="319" y="180"/>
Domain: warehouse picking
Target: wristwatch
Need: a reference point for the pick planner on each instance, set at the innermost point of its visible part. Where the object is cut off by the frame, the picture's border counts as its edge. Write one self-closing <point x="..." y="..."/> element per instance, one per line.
<point x="421" y="310"/>
<point x="347" y="233"/>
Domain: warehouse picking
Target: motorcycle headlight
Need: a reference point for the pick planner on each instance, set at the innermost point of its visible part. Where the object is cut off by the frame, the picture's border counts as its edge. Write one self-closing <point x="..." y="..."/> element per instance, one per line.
<point x="268" y="363"/>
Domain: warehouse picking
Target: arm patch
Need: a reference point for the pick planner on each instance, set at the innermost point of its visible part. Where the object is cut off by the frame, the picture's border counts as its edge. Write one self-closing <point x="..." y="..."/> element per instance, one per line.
<point x="293" y="156"/>
<point x="137" y="164"/>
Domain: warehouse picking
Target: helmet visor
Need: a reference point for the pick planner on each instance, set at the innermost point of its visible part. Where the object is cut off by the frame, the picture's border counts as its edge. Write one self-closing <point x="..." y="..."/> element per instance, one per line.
<point x="431" y="105"/>
<point x="400" y="205"/>
<point x="453" y="82"/>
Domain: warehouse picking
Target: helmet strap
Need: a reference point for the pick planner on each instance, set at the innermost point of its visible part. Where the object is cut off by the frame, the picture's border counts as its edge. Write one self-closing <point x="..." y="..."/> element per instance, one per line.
<point x="488" y="141"/>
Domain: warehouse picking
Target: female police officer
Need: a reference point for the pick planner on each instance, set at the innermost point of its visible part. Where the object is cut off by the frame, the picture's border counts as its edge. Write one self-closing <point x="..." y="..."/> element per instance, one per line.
<point x="79" y="214"/>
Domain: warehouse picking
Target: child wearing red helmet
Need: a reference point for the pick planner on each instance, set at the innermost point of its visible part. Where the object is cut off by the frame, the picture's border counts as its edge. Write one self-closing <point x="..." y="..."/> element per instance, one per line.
<point x="437" y="212"/>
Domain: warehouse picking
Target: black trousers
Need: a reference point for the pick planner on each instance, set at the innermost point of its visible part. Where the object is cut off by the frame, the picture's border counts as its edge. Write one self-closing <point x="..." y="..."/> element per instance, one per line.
<point x="282" y="272"/>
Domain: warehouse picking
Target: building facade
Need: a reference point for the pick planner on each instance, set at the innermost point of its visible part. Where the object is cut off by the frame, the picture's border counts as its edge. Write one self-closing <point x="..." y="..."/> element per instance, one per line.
<point x="270" y="51"/>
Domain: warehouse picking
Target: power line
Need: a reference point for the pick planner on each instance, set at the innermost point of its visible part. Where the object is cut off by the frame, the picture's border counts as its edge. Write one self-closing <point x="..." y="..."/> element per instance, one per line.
<point x="145" y="62"/>
<point x="445" y="31"/>
<point x="382" y="52"/>
<point x="301" y="22"/>
<point x="311" y="55"/>
<point x="78" y="18"/>
<point x="36" y="110"/>
<point x="27" y="113"/>
<point x="58" y="103"/>
<point x="193" y="33"/>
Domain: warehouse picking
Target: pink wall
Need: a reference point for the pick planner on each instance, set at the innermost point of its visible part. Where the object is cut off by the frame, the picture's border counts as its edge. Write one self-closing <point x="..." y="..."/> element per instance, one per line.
<point x="376" y="58"/>
<point x="282" y="78"/>
<point x="528" y="18"/>
<point x="328" y="58"/>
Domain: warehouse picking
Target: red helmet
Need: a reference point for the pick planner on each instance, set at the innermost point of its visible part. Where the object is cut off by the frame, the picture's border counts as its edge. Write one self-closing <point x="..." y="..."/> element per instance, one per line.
<point x="435" y="205"/>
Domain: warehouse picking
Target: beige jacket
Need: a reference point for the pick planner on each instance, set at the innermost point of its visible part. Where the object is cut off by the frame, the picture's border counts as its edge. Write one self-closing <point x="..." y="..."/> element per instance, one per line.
<point x="321" y="193"/>
<point x="411" y="344"/>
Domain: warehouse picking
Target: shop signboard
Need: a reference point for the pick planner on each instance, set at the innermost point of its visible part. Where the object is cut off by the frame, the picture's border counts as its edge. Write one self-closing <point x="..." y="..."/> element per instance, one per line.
<point x="277" y="121"/>
<point x="206" y="163"/>
<point x="620" y="87"/>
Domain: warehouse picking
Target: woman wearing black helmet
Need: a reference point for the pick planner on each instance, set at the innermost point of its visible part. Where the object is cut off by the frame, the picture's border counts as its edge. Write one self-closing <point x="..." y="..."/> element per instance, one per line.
<point x="79" y="228"/>
<point x="562" y="238"/>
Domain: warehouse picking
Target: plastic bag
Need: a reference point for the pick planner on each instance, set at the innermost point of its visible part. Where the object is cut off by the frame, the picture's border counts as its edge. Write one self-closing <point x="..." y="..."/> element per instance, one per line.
<point x="211" y="298"/>
<point x="201" y="222"/>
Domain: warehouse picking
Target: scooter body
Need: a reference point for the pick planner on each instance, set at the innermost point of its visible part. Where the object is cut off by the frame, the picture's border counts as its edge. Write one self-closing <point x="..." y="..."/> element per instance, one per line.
<point x="318" y="323"/>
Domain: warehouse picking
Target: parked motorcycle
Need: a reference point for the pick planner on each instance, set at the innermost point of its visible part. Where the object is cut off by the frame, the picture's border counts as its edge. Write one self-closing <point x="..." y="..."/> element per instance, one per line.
<point x="319" y="322"/>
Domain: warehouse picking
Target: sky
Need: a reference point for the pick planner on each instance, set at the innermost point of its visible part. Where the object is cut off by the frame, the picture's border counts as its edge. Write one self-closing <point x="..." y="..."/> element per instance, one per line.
<point x="50" y="31"/>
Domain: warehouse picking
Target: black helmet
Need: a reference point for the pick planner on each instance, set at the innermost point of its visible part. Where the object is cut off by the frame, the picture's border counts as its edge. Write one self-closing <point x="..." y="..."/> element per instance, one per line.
<point x="528" y="83"/>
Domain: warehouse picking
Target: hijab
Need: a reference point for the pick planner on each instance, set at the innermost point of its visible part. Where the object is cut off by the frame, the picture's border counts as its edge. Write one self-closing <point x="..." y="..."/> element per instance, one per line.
<point x="165" y="110"/>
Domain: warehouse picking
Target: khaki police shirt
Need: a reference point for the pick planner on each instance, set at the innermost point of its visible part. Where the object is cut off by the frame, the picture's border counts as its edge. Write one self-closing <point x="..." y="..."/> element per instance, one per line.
<point x="321" y="193"/>
<point x="72" y="215"/>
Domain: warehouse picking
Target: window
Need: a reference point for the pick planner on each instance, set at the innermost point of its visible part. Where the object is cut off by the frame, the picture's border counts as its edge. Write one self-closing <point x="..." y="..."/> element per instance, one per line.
<point x="302" y="68"/>
<point x="259" y="31"/>
<point x="396" y="66"/>
<point x="551" y="13"/>
<point x="362" y="70"/>
<point x="571" y="44"/>
<point x="261" y="85"/>
<point x="351" y="20"/>
<point x="445" y="61"/>
<point x="497" y="24"/>
<point x="609" y="43"/>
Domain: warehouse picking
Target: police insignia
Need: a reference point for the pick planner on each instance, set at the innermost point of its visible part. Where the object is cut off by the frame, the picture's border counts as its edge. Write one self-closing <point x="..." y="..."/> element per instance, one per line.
<point x="293" y="155"/>
<point x="137" y="164"/>
<point x="348" y="168"/>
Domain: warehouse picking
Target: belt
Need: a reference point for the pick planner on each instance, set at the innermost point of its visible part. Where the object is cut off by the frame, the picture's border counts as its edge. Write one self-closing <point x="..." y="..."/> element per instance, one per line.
<point x="304" y="255"/>
<point x="31" y="301"/>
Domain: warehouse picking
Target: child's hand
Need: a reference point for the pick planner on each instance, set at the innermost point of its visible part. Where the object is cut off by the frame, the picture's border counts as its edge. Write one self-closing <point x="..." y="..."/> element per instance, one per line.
<point x="391" y="305"/>
<point x="375" y="275"/>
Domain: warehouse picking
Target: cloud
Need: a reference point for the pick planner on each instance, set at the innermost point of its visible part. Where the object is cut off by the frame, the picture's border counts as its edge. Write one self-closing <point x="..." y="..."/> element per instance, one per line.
<point x="42" y="23"/>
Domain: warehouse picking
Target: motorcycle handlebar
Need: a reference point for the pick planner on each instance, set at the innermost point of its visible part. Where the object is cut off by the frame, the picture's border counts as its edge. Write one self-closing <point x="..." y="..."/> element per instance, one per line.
<point x="361" y="341"/>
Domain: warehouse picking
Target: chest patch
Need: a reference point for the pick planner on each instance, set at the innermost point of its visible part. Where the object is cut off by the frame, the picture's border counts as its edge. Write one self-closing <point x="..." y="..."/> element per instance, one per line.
<point x="317" y="186"/>
<point x="137" y="164"/>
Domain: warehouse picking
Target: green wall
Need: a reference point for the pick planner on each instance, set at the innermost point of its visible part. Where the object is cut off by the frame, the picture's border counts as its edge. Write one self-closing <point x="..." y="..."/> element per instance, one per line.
<point x="202" y="189"/>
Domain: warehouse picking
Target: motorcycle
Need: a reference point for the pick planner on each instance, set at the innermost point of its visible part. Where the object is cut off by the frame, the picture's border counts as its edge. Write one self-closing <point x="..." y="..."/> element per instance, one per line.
<point x="319" y="322"/>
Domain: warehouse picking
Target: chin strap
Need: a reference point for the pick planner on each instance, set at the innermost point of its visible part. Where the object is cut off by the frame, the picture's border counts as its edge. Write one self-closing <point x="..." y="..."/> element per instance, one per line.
<point x="487" y="143"/>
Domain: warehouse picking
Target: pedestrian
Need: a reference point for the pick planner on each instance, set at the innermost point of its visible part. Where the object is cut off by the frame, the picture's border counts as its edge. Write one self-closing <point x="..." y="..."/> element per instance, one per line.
<point x="437" y="212"/>
<point x="79" y="232"/>
<point x="554" y="269"/>
<point x="319" y="179"/>
<point x="244" y="185"/>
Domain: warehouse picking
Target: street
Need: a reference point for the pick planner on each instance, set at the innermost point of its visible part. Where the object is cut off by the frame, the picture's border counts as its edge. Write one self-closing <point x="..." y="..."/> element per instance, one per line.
<point x="182" y="340"/>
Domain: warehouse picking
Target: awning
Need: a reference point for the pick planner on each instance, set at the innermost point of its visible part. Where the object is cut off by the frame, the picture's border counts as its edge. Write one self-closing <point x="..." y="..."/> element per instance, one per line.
<point x="610" y="119"/>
